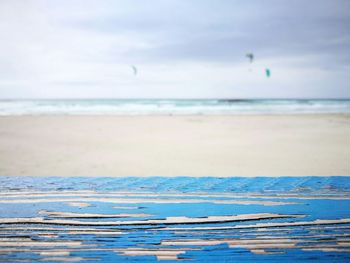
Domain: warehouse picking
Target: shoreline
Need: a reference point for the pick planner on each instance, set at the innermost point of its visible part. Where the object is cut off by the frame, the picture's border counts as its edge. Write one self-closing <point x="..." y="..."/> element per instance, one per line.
<point x="234" y="115"/>
<point x="178" y="145"/>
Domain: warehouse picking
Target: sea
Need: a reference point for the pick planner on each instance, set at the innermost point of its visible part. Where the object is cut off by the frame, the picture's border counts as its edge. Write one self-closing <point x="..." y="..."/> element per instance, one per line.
<point x="171" y="106"/>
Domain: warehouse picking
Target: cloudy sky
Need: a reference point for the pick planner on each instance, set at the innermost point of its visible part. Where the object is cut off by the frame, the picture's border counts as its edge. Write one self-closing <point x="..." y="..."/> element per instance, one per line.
<point x="181" y="48"/>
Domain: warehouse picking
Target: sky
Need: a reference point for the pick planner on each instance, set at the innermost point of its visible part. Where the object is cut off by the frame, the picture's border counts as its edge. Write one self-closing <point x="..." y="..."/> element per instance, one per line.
<point x="181" y="48"/>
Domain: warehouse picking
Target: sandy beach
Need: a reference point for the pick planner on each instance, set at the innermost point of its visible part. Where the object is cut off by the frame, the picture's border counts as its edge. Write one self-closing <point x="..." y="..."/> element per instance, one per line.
<point x="259" y="145"/>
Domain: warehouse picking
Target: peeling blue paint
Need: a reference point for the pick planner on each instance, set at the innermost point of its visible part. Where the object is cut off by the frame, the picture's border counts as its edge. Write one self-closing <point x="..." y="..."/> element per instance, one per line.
<point x="315" y="198"/>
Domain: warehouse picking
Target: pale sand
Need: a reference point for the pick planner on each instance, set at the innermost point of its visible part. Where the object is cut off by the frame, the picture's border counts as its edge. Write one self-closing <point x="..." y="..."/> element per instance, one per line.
<point x="258" y="145"/>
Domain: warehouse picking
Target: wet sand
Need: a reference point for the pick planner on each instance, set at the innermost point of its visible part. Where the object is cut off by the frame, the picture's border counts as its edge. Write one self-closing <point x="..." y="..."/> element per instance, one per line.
<point x="254" y="145"/>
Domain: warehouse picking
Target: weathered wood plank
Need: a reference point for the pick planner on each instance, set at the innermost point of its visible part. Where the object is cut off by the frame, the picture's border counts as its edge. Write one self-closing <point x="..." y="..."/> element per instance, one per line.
<point x="166" y="221"/>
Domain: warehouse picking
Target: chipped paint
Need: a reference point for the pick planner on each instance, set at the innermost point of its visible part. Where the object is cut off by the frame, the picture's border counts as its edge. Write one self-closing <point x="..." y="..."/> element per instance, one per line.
<point x="87" y="215"/>
<point x="77" y="204"/>
<point x="146" y="200"/>
<point x="196" y="219"/>
<point x="166" y="221"/>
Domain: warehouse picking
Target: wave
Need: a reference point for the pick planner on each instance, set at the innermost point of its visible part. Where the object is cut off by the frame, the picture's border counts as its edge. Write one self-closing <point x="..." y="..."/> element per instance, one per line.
<point x="171" y="106"/>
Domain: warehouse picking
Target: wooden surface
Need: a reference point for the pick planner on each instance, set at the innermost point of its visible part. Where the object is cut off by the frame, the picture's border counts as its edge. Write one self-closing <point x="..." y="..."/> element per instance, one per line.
<point x="55" y="219"/>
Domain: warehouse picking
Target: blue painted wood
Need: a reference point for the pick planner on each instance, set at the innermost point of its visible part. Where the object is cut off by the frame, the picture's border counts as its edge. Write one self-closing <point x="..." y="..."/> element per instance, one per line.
<point x="316" y="198"/>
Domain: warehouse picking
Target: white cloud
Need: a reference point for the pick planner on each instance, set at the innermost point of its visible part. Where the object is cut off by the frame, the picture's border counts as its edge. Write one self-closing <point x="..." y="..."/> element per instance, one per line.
<point x="182" y="49"/>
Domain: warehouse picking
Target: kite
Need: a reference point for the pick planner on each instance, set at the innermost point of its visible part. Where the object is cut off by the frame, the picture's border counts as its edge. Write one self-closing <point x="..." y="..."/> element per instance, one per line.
<point x="134" y="69"/>
<point x="250" y="56"/>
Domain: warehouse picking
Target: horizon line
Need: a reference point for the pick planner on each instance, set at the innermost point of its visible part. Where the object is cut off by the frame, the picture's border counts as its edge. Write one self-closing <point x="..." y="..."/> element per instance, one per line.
<point x="164" y="98"/>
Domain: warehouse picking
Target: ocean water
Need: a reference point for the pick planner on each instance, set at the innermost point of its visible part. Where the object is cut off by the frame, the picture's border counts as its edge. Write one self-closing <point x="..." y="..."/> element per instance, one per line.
<point x="172" y="106"/>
